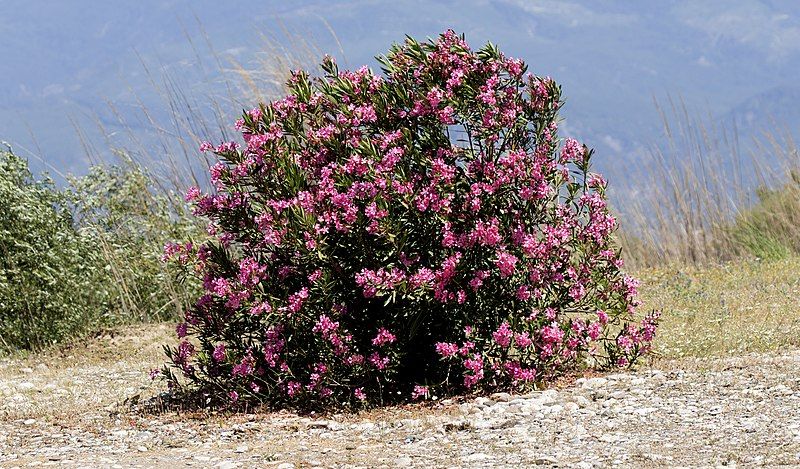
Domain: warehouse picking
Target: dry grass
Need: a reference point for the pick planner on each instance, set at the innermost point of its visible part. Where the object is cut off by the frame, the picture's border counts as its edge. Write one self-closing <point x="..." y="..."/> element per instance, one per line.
<point x="725" y="310"/>
<point x="699" y="198"/>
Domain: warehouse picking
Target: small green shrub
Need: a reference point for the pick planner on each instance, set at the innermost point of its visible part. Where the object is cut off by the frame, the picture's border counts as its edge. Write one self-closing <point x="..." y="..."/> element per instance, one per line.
<point x="121" y="212"/>
<point x="381" y="238"/>
<point x="87" y="256"/>
<point x="770" y="229"/>
<point x="48" y="273"/>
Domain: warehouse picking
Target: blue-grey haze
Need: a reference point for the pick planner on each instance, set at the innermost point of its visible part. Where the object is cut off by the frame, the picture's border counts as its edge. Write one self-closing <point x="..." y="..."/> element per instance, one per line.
<point x="92" y="64"/>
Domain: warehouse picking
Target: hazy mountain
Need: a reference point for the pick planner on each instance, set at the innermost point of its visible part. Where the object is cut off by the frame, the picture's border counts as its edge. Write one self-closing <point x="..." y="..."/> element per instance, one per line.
<point x="90" y="64"/>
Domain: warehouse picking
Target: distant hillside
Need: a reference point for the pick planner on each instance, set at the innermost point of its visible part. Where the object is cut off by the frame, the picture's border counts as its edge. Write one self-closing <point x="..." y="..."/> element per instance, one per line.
<point x="64" y="66"/>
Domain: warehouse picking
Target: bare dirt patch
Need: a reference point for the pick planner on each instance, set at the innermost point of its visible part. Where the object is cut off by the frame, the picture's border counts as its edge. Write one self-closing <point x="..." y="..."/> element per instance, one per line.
<point x="67" y="408"/>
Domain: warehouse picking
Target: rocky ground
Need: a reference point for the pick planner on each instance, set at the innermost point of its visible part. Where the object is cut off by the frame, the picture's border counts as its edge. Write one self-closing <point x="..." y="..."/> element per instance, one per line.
<point x="67" y="409"/>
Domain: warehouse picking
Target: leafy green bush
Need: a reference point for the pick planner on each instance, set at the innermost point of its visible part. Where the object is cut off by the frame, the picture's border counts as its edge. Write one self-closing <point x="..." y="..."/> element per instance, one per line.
<point x="81" y="258"/>
<point x="120" y="211"/>
<point x="770" y="229"/>
<point x="48" y="273"/>
<point x="386" y="238"/>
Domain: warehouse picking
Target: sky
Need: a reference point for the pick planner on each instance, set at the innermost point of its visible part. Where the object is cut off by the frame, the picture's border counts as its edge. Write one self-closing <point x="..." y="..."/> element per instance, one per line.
<point x="80" y="77"/>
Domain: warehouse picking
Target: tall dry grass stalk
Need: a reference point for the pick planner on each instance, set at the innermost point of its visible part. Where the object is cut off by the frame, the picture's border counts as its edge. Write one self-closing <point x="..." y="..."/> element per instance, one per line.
<point x="705" y="197"/>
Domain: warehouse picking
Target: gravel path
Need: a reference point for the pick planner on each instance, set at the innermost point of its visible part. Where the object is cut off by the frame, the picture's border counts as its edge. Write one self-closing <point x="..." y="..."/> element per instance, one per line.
<point x="743" y="411"/>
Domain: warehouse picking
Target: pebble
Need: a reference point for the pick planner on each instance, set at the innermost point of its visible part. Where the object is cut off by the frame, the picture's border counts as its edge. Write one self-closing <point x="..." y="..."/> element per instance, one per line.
<point x="476" y="457"/>
<point x="571" y="407"/>
<point x="594" y="383"/>
<point x="484" y="402"/>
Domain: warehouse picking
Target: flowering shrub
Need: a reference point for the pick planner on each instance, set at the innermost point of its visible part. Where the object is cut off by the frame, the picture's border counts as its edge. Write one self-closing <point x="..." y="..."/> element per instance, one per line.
<point x="424" y="232"/>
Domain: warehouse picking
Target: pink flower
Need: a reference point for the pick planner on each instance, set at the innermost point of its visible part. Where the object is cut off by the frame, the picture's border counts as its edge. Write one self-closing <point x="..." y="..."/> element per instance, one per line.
<point x="360" y="394"/>
<point x="594" y="330"/>
<point x="466" y="348"/>
<point x="522" y="340"/>
<point x="602" y="316"/>
<point x="502" y="336"/>
<point x="461" y="297"/>
<point x="572" y="151"/>
<point x="181" y="330"/>
<point x="631" y="286"/>
<point x="297" y="299"/>
<point x="383" y="337"/>
<point x="245" y="367"/>
<point x="446" y="349"/>
<point x="293" y="387"/>
<point x="552" y="334"/>
<point x="378" y="361"/>
<point x="474" y="364"/>
<point x="220" y="287"/>
<point x="518" y="373"/>
<point x="261" y="308"/>
<point x="250" y="272"/>
<point x="523" y="293"/>
<point x="355" y="359"/>
<point x="625" y="343"/>
<point x="423" y="277"/>
<point x="506" y="263"/>
<point x="219" y="353"/>
<point x="419" y="391"/>
<point x="325" y="326"/>
<point x="314" y="276"/>
<point x="472" y="380"/>
<point x="577" y="291"/>
<point x="477" y="280"/>
<point x="192" y="194"/>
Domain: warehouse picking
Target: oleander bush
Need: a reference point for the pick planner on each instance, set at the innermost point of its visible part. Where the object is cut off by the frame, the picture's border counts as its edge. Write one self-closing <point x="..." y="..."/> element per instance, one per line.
<point x="379" y="238"/>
